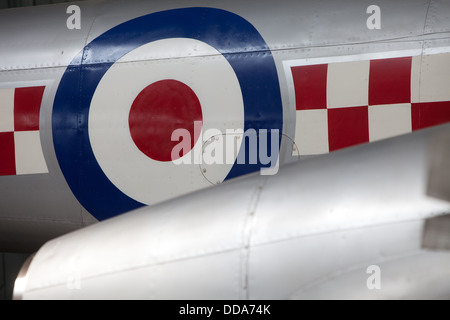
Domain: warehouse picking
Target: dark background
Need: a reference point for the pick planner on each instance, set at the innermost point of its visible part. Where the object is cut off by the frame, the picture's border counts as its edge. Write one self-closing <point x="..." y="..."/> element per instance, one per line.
<point x="4" y="4"/>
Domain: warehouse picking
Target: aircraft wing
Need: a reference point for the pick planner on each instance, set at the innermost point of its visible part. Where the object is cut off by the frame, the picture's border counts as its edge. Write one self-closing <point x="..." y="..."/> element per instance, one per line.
<point x="354" y="224"/>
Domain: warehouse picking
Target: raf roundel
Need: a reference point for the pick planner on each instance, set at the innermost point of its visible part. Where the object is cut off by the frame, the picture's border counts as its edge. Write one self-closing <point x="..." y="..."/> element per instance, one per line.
<point x="135" y="122"/>
<point x="158" y="102"/>
<point x="127" y="91"/>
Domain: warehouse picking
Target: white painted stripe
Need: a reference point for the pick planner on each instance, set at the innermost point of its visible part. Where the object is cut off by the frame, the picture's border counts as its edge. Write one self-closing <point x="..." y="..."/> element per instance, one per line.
<point x="435" y="78"/>
<point x="348" y="84"/>
<point x="428" y="51"/>
<point x="387" y="121"/>
<point x="6" y="110"/>
<point x="416" y="66"/>
<point x="352" y="58"/>
<point x="29" y="156"/>
<point x="311" y="132"/>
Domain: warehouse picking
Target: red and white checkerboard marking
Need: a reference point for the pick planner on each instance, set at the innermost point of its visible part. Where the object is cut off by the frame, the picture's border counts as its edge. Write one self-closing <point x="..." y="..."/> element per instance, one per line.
<point x="345" y="101"/>
<point x="20" y="144"/>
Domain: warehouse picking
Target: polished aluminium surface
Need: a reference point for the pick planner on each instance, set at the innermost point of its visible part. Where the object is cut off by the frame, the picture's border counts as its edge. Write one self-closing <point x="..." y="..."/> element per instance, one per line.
<point x="312" y="231"/>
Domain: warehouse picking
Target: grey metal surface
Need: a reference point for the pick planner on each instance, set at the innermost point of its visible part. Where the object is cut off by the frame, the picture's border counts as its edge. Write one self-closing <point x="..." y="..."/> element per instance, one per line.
<point x="278" y="237"/>
<point x="418" y="276"/>
<point x="36" y="208"/>
<point x="290" y="25"/>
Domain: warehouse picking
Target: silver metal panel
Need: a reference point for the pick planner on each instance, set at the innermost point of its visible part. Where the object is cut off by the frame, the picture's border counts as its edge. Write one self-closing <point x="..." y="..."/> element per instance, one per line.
<point x="269" y="252"/>
<point x="288" y="25"/>
<point x="429" y="270"/>
<point x="38" y="37"/>
<point x="326" y="196"/>
<point x="36" y="208"/>
<point x="437" y="16"/>
<point x="162" y="281"/>
<point x="155" y="238"/>
<point x="302" y="261"/>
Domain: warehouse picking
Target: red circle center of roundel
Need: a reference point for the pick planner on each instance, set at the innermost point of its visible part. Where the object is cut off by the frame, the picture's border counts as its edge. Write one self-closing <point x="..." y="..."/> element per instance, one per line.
<point x="159" y="110"/>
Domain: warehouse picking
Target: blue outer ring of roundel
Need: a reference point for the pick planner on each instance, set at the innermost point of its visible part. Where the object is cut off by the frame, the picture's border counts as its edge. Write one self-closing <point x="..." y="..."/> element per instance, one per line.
<point x="234" y="37"/>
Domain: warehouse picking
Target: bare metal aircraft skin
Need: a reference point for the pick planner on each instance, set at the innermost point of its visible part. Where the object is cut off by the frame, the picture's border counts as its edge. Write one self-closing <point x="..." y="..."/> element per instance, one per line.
<point x="88" y="112"/>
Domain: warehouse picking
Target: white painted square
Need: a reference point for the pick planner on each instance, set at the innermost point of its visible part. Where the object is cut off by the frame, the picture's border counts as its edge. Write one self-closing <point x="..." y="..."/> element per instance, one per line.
<point x="311" y="132"/>
<point x="386" y="121"/>
<point x="416" y="66"/>
<point x="348" y="84"/>
<point x="29" y="156"/>
<point x="435" y="78"/>
<point x="6" y="110"/>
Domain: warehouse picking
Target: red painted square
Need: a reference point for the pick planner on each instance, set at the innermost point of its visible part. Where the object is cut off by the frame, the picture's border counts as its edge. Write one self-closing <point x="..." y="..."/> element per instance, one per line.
<point x="310" y="84"/>
<point x="390" y="81"/>
<point x="27" y="105"/>
<point x="7" y="154"/>
<point x="347" y="127"/>
<point x="429" y="114"/>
